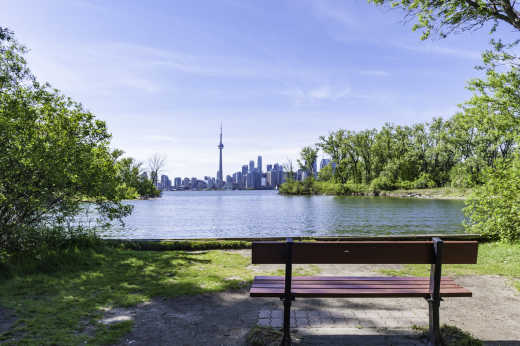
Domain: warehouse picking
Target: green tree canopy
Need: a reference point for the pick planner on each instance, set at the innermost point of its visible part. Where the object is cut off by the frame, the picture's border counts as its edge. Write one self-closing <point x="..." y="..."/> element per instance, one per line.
<point x="53" y="155"/>
<point x="448" y="16"/>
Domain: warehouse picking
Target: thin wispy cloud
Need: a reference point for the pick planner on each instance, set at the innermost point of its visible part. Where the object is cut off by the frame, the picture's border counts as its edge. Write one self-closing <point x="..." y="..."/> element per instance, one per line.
<point x="159" y="138"/>
<point x="374" y="73"/>
<point x="329" y="11"/>
<point x="427" y="48"/>
<point x="318" y="94"/>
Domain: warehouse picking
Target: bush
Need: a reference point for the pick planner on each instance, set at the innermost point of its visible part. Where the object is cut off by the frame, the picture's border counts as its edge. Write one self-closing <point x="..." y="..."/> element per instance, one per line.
<point x="424" y="181"/>
<point x="381" y="183"/>
<point x="493" y="209"/>
<point x="405" y="185"/>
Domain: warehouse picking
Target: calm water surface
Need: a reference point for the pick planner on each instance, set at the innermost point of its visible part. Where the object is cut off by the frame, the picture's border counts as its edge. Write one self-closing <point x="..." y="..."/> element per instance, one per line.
<point x="208" y="214"/>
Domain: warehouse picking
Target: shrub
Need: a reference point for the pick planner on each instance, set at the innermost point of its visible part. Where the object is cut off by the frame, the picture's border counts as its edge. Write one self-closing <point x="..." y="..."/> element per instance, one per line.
<point x="424" y="181"/>
<point x="493" y="209"/>
<point x="383" y="182"/>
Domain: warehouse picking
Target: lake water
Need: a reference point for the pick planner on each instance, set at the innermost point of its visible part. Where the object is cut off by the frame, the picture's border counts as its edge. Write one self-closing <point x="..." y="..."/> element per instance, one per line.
<point x="210" y="214"/>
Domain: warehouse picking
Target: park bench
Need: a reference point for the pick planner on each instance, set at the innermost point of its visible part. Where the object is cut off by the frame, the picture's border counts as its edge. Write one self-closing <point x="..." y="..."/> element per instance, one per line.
<point x="435" y="252"/>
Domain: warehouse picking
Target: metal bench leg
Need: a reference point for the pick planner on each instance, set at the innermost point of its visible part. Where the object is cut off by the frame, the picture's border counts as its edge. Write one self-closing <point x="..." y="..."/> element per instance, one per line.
<point x="286" y="322"/>
<point x="288" y="297"/>
<point x="434" y="330"/>
<point x="435" y="294"/>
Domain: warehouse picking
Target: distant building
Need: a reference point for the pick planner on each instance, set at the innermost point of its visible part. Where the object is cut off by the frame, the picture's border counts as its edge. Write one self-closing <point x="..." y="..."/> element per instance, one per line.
<point x="177" y="181"/>
<point x="269" y="168"/>
<point x="165" y="183"/>
<point x="250" y="180"/>
<point x="324" y="163"/>
<point x="259" y="164"/>
<point x="251" y="166"/>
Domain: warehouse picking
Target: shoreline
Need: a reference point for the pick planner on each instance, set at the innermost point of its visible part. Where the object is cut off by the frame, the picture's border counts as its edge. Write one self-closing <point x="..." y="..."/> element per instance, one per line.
<point x="320" y="188"/>
<point x="437" y="193"/>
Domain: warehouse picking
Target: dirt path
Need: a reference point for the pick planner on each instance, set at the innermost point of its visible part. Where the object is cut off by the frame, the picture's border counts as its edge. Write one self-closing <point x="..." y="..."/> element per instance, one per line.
<point x="492" y="315"/>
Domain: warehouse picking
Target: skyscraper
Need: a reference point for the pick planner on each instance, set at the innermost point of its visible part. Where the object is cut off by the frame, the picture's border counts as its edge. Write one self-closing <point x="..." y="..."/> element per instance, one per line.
<point x="259" y="164"/>
<point x="251" y="166"/>
<point x="220" y="181"/>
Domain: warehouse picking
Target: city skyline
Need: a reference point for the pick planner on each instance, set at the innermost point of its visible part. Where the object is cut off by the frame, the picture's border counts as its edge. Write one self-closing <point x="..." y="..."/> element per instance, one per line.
<point x="313" y="67"/>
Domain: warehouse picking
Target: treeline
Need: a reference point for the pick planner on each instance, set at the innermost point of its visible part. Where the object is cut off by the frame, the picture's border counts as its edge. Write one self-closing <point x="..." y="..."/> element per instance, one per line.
<point x="453" y="152"/>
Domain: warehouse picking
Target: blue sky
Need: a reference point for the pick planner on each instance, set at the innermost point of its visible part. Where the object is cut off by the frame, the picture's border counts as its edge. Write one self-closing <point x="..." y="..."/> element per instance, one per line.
<point x="278" y="74"/>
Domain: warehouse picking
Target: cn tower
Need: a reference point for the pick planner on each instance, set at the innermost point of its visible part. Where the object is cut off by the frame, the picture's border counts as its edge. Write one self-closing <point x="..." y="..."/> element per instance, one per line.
<point x="220" y="179"/>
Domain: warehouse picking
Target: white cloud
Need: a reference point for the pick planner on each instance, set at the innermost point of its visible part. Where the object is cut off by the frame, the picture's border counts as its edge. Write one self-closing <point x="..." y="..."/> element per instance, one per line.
<point x="428" y="48"/>
<point x="321" y="93"/>
<point x="325" y="10"/>
<point x="375" y="73"/>
<point x="159" y="138"/>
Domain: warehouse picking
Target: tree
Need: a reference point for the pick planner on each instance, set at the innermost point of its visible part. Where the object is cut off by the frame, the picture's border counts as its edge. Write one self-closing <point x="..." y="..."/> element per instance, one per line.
<point x="54" y="154"/>
<point x="133" y="183"/>
<point x="156" y="164"/>
<point x="288" y="167"/>
<point x="307" y="161"/>
<point x="448" y="16"/>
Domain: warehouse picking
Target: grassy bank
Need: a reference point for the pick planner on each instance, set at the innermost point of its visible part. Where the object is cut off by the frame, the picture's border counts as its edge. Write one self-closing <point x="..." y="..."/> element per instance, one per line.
<point x="351" y="189"/>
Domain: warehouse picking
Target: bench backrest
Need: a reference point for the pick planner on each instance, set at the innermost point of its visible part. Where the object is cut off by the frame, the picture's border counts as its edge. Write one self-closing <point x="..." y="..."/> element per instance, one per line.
<point x="364" y="252"/>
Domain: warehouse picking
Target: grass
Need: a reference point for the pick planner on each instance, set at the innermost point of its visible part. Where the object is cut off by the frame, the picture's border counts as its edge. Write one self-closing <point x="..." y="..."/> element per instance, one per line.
<point x="452" y="336"/>
<point x="264" y="336"/>
<point x="493" y="259"/>
<point x="188" y="245"/>
<point x="61" y="298"/>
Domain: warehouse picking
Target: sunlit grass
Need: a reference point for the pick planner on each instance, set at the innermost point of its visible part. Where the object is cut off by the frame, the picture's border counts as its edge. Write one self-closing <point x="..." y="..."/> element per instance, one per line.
<point x="55" y="302"/>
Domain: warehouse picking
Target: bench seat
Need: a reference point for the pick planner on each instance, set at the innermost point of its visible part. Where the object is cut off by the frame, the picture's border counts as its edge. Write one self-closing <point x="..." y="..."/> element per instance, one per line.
<point x="354" y="287"/>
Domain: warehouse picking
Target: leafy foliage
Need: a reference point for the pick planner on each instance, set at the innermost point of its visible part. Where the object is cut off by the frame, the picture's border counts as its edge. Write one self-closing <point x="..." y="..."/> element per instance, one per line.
<point x="307" y="161"/>
<point x="54" y="155"/>
<point x="494" y="208"/>
<point x="448" y="16"/>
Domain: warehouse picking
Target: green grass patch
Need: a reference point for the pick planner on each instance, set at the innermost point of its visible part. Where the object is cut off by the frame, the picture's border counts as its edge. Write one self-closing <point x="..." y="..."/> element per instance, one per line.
<point x="493" y="259"/>
<point x="59" y="299"/>
<point x="264" y="336"/>
<point x="188" y="245"/>
<point x="452" y="336"/>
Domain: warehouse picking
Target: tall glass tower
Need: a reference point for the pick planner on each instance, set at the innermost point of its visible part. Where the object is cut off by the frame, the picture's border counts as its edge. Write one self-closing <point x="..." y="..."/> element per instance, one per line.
<point x="220" y="179"/>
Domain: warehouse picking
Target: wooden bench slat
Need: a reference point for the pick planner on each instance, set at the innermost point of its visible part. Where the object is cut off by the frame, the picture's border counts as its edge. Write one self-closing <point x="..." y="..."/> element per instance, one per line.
<point x="304" y="285"/>
<point x="352" y="282"/>
<point x="358" y="293"/>
<point x="354" y="286"/>
<point x="364" y="252"/>
<point x="335" y="283"/>
<point x="391" y="278"/>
